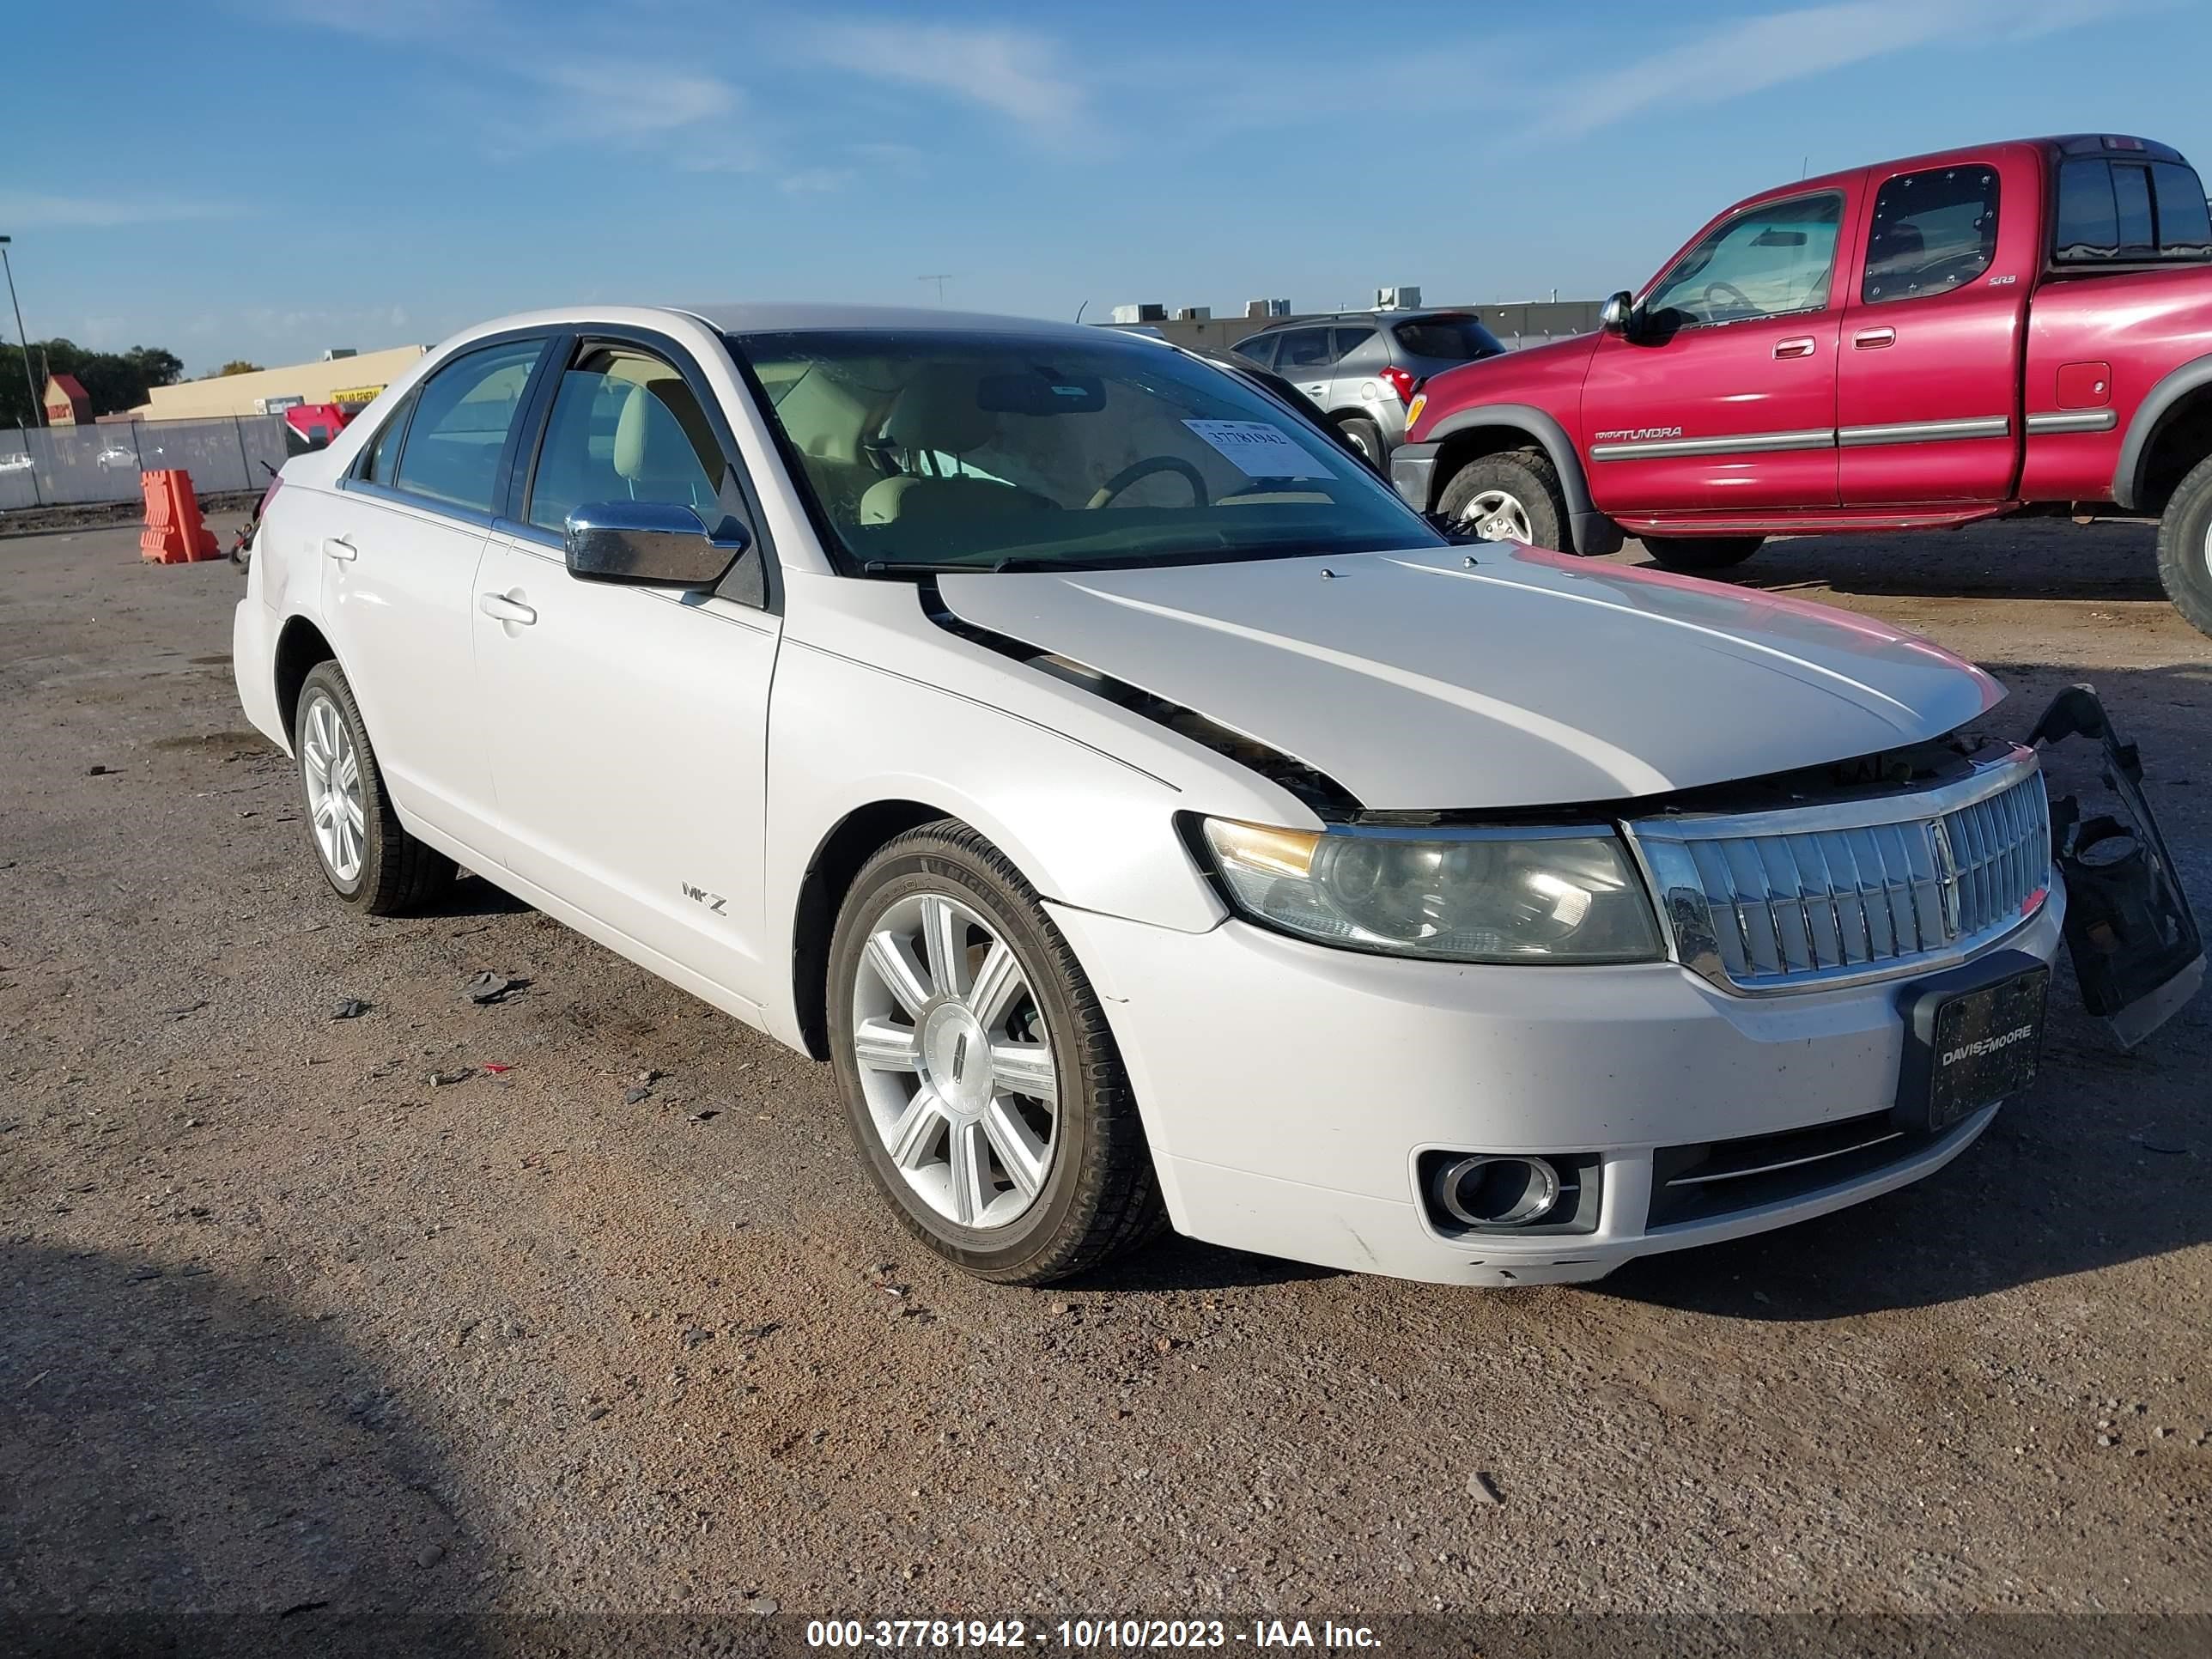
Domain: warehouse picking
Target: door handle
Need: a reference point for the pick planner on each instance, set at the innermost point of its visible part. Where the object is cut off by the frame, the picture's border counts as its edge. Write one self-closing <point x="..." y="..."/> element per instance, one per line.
<point x="1873" y="339"/>
<point x="1801" y="346"/>
<point x="338" y="548"/>
<point x="499" y="607"/>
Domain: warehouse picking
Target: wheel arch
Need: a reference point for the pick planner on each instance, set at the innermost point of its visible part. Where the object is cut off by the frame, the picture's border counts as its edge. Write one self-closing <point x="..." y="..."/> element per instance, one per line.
<point x="846" y="846"/>
<point x="2171" y="431"/>
<point x="1468" y="434"/>
<point x="300" y="644"/>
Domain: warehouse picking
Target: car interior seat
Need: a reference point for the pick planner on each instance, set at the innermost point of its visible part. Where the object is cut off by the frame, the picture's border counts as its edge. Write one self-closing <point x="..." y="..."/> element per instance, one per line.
<point x="938" y="413"/>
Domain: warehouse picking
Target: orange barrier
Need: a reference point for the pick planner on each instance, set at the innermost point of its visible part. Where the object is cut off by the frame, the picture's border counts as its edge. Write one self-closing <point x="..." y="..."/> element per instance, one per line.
<point x="174" y="533"/>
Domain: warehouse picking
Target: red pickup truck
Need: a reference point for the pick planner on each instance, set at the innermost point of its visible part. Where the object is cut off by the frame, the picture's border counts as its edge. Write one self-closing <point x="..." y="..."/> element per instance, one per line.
<point x="1915" y="345"/>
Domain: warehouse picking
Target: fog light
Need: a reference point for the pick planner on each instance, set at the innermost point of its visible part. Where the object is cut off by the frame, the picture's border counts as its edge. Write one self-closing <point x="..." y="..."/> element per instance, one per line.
<point x="1498" y="1192"/>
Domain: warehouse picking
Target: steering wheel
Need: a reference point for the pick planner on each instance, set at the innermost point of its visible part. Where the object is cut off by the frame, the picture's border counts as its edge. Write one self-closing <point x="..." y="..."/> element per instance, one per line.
<point x="1741" y="297"/>
<point x="1139" y="470"/>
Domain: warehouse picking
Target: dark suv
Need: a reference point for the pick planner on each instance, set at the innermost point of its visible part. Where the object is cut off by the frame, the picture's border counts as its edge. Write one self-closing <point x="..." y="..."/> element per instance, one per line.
<point x="1360" y="367"/>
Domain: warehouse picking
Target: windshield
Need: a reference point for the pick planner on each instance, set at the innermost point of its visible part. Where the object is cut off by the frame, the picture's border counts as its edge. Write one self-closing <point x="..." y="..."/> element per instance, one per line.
<point x="936" y="448"/>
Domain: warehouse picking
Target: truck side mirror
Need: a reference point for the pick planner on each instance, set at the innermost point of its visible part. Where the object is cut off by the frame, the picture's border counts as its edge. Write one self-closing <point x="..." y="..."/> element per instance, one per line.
<point x="1618" y="314"/>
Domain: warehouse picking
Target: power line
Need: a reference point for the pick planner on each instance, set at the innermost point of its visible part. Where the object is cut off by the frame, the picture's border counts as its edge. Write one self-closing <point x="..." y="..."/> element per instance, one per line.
<point x="940" y="277"/>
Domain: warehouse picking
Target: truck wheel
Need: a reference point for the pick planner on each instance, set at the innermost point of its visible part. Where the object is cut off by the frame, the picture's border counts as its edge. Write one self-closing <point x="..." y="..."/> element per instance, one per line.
<point x="2185" y="547"/>
<point x="1700" y="552"/>
<point x="1511" y="497"/>
<point x="977" y="1070"/>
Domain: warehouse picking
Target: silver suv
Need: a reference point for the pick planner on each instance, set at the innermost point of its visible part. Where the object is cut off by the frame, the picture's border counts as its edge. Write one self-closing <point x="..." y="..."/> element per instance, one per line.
<point x="1360" y="367"/>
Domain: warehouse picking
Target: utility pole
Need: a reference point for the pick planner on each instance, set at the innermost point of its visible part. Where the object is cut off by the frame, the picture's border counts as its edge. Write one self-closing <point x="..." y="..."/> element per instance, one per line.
<point x="940" y="277"/>
<point x="38" y="414"/>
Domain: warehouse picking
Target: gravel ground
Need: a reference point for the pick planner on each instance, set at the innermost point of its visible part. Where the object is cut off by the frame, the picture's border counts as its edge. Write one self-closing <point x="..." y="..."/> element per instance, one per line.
<point x="284" y="1327"/>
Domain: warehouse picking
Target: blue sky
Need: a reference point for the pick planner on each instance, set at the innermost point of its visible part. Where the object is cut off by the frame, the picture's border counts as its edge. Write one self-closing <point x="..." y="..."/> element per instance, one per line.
<point x="289" y="175"/>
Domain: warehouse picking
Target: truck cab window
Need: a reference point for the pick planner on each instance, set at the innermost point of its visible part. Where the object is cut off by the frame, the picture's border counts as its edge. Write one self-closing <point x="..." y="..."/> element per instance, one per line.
<point x="1933" y="232"/>
<point x="1770" y="260"/>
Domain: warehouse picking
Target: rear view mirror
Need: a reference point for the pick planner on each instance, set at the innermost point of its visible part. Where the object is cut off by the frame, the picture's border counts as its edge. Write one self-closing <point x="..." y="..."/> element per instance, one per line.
<point x="649" y="545"/>
<point x="1041" y="392"/>
<point x="1773" y="238"/>
<point x="1617" y="312"/>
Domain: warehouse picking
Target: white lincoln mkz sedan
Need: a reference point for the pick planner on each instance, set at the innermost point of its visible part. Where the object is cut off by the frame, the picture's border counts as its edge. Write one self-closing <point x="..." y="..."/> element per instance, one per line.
<point x="1153" y="820"/>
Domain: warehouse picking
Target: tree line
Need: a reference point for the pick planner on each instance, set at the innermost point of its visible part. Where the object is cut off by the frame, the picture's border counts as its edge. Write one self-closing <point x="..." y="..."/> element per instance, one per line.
<point x="114" y="380"/>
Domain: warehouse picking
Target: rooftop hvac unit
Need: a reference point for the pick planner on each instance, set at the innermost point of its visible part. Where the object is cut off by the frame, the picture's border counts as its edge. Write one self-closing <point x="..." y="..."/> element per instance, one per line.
<point x="1140" y="313"/>
<point x="1397" y="299"/>
<point x="1195" y="314"/>
<point x="331" y="354"/>
<point x="1266" y="307"/>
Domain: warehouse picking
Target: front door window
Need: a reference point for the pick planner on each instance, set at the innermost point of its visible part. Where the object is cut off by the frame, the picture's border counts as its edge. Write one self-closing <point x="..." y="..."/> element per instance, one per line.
<point x="1767" y="261"/>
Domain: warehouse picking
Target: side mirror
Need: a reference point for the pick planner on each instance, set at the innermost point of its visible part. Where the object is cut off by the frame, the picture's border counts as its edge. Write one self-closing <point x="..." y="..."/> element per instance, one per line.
<point x="1618" y="314"/>
<point x="649" y="545"/>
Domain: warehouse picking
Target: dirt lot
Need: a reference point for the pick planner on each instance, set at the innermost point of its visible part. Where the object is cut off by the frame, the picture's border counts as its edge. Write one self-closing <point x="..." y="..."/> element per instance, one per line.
<point x="282" y="1328"/>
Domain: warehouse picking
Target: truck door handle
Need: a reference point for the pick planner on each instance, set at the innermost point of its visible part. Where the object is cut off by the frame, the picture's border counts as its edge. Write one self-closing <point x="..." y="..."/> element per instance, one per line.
<point x="1801" y="346"/>
<point x="1873" y="339"/>
<point x="338" y="548"/>
<point x="499" y="607"/>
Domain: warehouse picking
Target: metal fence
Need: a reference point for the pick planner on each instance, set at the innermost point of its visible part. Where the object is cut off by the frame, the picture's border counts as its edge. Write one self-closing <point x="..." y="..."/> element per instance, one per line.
<point x="71" y="465"/>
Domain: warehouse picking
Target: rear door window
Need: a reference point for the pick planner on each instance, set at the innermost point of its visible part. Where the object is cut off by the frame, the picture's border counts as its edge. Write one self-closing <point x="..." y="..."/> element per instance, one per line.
<point x="463" y="415"/>
<point x="1933" y="231"/>
<point x="381" y="459"/>
<point x="1349" y="340"/>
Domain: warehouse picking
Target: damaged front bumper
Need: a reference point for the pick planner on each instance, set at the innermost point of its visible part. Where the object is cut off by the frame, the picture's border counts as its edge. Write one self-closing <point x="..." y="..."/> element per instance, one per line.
<point x="2138" y="955"/>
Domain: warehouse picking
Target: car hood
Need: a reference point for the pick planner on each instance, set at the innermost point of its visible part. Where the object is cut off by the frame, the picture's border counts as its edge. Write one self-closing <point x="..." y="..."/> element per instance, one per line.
<point x="1512" y="677"/>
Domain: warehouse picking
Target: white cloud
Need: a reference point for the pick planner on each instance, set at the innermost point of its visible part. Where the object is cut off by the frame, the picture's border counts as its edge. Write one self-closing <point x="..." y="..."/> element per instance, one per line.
<point x="1758" y="52"/>
<point x="1010" y="72"/>
<point x="815" y="181"/>
<point x="18" y="209"/>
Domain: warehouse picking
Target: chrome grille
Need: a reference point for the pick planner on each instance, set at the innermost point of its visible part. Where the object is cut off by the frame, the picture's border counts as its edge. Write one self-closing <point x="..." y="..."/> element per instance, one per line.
<point x="1855" y="889"/>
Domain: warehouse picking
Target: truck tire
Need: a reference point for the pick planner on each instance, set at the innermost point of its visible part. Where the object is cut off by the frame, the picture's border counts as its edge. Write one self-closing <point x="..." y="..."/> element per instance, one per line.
<point x="1700" y="552"/>
<point x="2185" y="547"/>
<point x="1511" y="497"/>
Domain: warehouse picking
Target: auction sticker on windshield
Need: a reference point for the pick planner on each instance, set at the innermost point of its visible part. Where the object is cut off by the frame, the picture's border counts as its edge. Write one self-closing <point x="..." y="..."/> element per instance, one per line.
<point x="1260" y="451"/>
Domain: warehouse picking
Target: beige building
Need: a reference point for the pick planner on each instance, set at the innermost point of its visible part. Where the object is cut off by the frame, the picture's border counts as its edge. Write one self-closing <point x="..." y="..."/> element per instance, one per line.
<point x="336" y="381"/>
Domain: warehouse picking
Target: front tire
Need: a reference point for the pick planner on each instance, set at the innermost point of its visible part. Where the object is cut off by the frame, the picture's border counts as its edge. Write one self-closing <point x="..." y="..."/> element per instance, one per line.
<point x="365" y="852"/>
<point x="979" y="1077"/>
<point x="1511" y="497"/>
<point x="1698" y="553"/>
<point x="2185" y="547"/>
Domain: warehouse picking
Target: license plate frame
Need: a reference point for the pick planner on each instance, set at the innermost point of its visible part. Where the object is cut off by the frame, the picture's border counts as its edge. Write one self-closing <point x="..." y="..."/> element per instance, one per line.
<point x="1973" y="1037"/>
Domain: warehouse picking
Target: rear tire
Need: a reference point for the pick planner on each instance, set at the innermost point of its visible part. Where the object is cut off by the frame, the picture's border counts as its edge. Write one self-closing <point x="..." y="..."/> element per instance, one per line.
<point x="979" y="1164"/>
<point x="1513" y="495"/>
<point x="2185" y="547"/>
<point x="1695" y="553"/>
<point x="364" y="851"/>
<point x="1366" y="436"/>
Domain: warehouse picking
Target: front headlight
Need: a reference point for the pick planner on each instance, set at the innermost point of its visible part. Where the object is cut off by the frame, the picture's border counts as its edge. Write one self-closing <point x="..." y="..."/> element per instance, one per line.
<point x="1481" y="895"/>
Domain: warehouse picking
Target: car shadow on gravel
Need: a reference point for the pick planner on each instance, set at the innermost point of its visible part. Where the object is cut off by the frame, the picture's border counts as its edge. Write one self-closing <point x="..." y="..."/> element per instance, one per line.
<point x="187" y="1465"/>
<point x="1176" y="1263"/>
<point x="2003" y="559"/>
<point x="471" y="895"/>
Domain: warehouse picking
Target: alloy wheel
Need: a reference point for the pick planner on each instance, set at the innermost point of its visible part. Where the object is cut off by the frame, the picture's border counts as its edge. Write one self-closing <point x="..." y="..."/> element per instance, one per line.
<point x="332" y="768"/>
<point x="1496" y="516"/>
<point x="954" y="1062"/>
